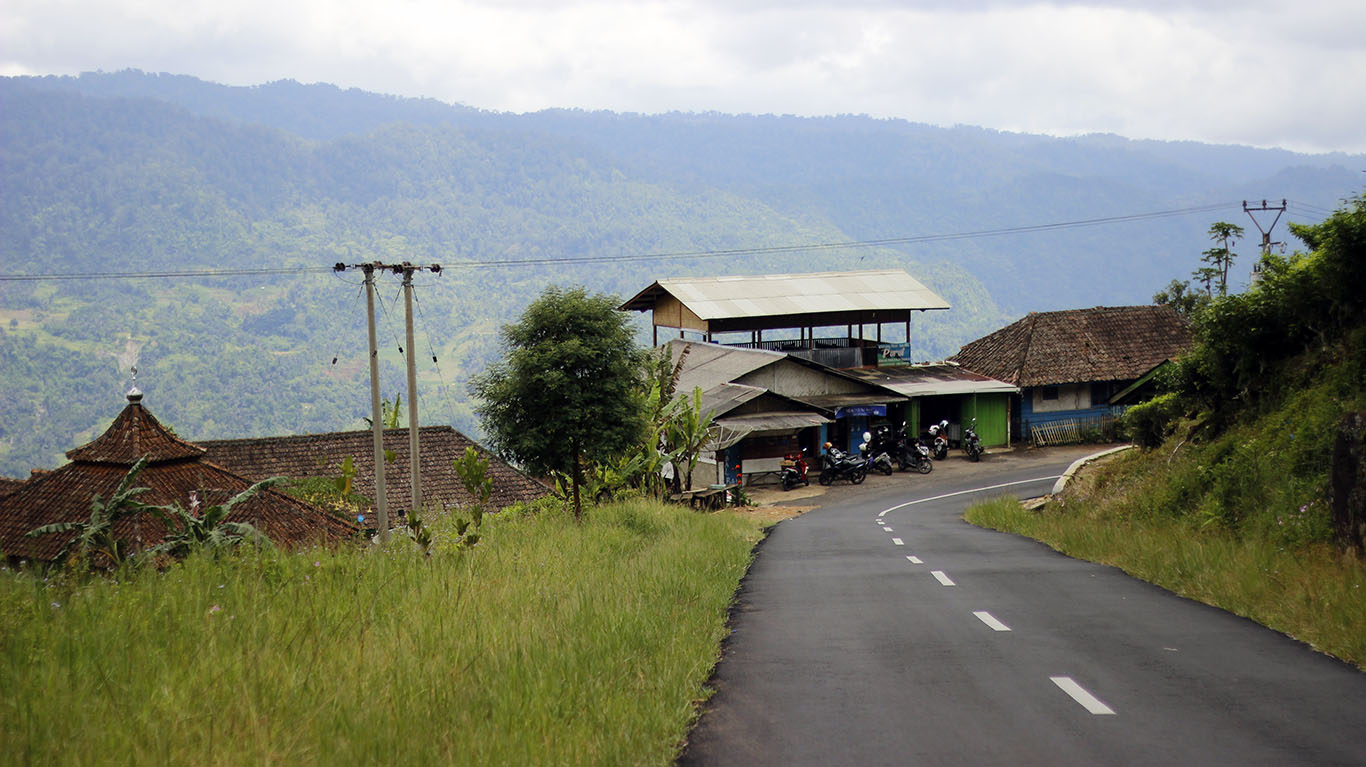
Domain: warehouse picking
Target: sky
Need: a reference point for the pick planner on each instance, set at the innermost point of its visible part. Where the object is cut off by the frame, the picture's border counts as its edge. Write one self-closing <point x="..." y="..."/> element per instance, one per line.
<point x="1255" y="72"/>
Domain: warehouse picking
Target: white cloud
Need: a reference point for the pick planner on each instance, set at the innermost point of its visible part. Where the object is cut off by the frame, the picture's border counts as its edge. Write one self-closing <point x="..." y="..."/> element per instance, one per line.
<point x="1253" y="73"/>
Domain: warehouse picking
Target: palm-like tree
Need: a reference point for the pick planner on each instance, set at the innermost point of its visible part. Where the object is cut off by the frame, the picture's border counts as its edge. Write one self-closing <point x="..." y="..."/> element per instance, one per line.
<point x="209" y="529"/>
<point x="95" y="535"/>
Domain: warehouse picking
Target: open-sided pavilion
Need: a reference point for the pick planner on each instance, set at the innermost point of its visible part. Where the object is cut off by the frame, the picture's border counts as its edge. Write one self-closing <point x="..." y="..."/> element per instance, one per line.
<point x="783" y="302"/>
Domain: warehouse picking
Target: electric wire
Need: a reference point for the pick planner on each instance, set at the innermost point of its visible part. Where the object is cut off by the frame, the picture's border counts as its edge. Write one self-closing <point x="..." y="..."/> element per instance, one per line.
<point x="440" y="375"/>
<point x="677" y="255"/>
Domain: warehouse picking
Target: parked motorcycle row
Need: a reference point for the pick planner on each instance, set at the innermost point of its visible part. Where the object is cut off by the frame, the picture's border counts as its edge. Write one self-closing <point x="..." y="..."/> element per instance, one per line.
<point x="883" y="450"/>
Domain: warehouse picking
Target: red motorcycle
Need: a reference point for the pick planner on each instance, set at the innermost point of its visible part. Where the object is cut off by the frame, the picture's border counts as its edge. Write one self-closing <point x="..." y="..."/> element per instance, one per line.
<point x="793" y="470"/>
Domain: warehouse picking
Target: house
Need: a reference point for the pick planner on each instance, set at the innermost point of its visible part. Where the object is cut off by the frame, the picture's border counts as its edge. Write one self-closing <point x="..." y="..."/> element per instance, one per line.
<point x="945" y="391"/>
<point x="321" y="455"/>
<point x="1070" y="365"/>
<point x="176" y="472"/>
<point x="767" y="404"/>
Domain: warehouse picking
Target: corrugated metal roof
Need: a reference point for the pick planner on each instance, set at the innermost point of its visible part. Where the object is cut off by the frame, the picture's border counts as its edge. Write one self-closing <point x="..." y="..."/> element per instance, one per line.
<point x="711" y="365"/>
<point x="793" y="294"/>
<point x="934" y="379"/>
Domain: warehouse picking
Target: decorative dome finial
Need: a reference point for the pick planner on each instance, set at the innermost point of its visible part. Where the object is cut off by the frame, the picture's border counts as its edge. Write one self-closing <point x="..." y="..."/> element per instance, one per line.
<point x="135" y="394"/>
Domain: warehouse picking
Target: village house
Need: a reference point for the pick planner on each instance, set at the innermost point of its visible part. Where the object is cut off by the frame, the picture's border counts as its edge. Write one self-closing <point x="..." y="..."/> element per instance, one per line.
<point x="801" y="386"/>
<point x="1074" y="367"/>
<point x="176" y="472"/>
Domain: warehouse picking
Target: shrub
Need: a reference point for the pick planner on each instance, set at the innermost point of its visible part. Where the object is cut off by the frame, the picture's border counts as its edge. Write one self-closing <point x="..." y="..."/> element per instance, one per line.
<point x="1149" y="424"/>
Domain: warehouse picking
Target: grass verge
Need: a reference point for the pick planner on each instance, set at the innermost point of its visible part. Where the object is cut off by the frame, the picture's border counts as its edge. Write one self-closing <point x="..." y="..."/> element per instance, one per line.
<point x="1311" y="592"/>
<point x="550" y="643"/>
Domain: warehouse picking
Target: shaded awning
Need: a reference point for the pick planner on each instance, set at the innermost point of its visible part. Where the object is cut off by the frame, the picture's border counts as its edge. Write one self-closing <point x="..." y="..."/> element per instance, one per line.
<point x="731" y="430"/>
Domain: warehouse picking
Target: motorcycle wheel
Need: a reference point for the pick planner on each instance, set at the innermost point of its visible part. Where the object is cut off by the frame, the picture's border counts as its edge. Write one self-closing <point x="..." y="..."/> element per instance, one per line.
<point x="825" y="478"/>
<point x="975" y="455"/>
<point x="857" y="475"/>
<point x="885" y="468"/>
<point x="926" y="466"/>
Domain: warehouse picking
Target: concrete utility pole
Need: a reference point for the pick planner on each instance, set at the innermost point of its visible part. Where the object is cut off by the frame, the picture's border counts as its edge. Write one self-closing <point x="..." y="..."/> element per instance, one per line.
<point x="1266" y="233"/>
<point x="376" y="410"/>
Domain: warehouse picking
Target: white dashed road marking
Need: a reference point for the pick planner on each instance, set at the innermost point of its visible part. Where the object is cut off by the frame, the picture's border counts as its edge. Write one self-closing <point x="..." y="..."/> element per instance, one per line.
<point x="898" y="542"/>
<point x="941" y="577"/>
<point x="991" y="621"/>
<point x="1087" y="700"/>
<point x="915" y="560"/>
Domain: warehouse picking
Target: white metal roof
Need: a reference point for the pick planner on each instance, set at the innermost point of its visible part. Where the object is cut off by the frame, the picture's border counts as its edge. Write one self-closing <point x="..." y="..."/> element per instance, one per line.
<point x="788" y="294"/>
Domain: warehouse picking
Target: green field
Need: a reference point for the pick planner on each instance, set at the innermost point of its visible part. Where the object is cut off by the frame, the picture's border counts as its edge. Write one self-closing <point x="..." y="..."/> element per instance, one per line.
<point x="548" y="643"/>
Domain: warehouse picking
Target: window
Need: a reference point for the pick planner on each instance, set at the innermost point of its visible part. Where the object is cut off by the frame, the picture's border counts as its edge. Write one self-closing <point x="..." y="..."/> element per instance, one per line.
<point x="1050" y="394"/>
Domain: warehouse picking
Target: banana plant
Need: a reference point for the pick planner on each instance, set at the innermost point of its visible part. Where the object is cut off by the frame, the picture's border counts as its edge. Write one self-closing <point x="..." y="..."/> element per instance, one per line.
<point x="95" y="535"/>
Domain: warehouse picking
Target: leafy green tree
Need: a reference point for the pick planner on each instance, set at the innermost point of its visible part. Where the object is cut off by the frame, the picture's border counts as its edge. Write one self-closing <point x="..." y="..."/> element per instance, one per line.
<point x="95" y="536"/>
<point x="566" y="391"/>
<point x="1181" y="297"/>
<point x="1219" y="259"/>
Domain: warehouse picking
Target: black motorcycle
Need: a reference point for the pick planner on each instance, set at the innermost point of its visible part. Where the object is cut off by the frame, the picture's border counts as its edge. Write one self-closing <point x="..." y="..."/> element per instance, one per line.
<point x="837" y="464"/>
<point x="971" y="443"/>
<point x="908" y="453"/>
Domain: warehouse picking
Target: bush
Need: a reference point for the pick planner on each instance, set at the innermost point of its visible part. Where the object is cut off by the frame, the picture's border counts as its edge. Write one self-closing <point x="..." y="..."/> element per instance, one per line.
<point x="1148" y="425"/>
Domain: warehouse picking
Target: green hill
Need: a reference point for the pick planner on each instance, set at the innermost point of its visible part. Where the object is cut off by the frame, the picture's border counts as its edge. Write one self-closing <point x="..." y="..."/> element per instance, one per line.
<point x="108" y="175"/>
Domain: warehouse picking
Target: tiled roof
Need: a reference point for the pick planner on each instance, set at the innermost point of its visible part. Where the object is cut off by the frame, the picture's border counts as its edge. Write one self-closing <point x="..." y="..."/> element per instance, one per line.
<point x="321" y="455"/>
<point x="1106" y="343"/>
<point x="135" y="434"/>
<point x="174" y="472"/>
<point x="8" y="485"/>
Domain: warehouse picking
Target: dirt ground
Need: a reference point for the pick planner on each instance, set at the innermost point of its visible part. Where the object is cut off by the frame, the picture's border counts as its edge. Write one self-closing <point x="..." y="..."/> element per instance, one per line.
<point x="774" y="504"/>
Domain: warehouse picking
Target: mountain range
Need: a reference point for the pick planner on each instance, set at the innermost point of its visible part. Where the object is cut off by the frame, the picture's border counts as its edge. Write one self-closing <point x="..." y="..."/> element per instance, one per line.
<point x="112" y="184"/>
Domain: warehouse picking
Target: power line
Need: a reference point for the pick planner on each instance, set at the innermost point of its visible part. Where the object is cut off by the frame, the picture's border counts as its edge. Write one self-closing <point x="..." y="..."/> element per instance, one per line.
<point x="693" y="254"/>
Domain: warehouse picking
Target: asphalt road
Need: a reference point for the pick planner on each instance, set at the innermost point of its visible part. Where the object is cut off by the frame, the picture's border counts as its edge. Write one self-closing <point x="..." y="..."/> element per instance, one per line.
<point x="872" y="631"/>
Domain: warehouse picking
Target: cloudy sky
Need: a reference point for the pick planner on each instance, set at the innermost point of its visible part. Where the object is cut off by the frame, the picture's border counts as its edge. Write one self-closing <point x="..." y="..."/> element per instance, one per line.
<point x="1254" y="72"/>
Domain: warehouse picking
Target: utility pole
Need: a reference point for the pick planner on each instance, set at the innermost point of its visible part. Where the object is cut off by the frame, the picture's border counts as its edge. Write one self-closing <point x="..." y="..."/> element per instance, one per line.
<point x="376" y="411"/>
<point x="1266" y="233"/>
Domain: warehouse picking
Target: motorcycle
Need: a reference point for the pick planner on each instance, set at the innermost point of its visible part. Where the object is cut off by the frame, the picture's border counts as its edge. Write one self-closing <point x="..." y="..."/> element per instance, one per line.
<point x="793" y="470"/>
<point x="939" y="433"/>
<point x="918" y="456"/>
<point x="971" y="443"/>
<point x="875" y="458"/>
<point x="837" y="464"/>
<point x="908" y="453"/>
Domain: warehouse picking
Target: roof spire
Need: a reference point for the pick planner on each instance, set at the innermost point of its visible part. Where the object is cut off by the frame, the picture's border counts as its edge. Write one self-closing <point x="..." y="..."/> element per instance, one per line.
<point x="135" y="394"/>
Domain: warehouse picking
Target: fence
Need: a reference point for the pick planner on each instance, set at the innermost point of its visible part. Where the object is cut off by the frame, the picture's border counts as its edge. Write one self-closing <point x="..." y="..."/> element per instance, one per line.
<point x="1070" y="431"/>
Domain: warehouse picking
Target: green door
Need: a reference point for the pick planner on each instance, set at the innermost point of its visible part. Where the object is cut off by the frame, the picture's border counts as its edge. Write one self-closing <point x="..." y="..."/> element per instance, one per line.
<point x="992" y="414"/>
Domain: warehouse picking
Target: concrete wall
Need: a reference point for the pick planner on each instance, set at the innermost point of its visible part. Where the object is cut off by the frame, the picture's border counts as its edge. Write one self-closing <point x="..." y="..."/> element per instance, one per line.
<point x="1070" y="397"/>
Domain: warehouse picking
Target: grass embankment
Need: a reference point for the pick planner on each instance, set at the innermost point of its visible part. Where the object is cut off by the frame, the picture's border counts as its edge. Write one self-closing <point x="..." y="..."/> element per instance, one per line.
<point x="1240" y="521"/>
<point x="549" y="643"/>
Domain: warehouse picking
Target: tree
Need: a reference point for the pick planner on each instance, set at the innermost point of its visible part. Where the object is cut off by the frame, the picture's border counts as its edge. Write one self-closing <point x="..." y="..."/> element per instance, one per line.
<point x="1220" y="258"/>
<point x="566" y="390"/>
<point x="1179" y="296"/>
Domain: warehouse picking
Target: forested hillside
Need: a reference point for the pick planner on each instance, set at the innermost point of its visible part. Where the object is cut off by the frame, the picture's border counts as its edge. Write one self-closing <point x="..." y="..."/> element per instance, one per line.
<point x="106" y="175"/>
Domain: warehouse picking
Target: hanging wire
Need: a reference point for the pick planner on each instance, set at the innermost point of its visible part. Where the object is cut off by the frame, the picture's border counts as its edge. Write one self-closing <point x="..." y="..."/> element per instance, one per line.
<point x="440" y="376"/>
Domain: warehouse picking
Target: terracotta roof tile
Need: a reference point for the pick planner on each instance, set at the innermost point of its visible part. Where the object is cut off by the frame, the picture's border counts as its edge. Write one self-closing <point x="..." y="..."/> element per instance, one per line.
<point x="1106" y="343"/>
<point x="321" y="455"/>
<point x="175" y="471"/>
<point x="135" y="434"/>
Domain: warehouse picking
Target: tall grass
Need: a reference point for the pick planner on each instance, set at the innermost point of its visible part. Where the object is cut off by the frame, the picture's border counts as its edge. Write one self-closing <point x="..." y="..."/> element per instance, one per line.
<point x="550" y="643"/>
